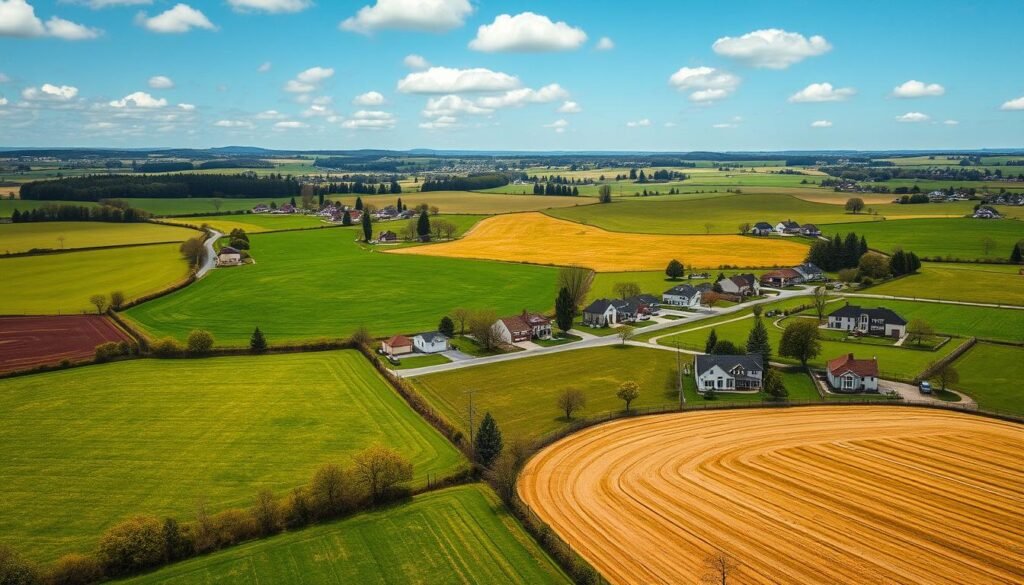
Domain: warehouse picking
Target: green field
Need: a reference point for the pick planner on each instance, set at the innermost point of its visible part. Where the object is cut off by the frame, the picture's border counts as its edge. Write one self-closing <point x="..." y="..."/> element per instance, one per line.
<point x="156" y="206"/>
<point x="962" y="238"/>
<point x="63" y="283"/>
<point x="653" y="283"/>
<point x="985" y="283"/>
<point x="464" y="202"/>
<point x="991" y="374"/>
<point x="961" y="320"/>
<point x="83" y="448"/>
<point x="68" y="235"/>
<point x="522" y="394"/>
<point x="319" y="283"/>
<point x="252" y="223"/>
<point x="457" y="535"/>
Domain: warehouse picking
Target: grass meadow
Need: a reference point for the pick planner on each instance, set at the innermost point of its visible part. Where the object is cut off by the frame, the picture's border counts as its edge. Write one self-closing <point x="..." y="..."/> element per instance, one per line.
<point x="62" y="283"/>
<point x="961" y="238"/>
<point x="320" y="283"/>
<point x="472" y="203"/>
<point x="81" y="449"/>
<point x="966" y="321"/>
<point x="991" y="374"/>
<point x="68" y="235"/>
<point x="651" y="282"/>
<point x="457" y="535"/>
<point x="978" y="283"/>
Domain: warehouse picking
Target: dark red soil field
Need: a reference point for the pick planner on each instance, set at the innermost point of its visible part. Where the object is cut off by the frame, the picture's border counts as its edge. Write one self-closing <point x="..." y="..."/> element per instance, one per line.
<point x="26" y="342"/>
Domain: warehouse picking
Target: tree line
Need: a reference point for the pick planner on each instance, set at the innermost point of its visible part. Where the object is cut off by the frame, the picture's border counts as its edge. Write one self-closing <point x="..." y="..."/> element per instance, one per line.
<point x="97" y="187"/>
<point x="473" y="182"/>
<point x="360" y="187"/>
<point x="555" y="189"/>
<point x="109" y="213"/>
<point x="838" y="253"/>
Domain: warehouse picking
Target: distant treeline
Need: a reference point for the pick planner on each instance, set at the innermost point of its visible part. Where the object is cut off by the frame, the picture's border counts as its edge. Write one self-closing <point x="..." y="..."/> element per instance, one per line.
<point x="236" y="163"/>
<point x="474" y="182"/>
<point x="96" y="187"/>
<point x="80" y="213"/>
<point x="163" y="167"/>
<point x="359" y="188"/>
<point x="858" y="173"/>
<point x="358" y="163"/>
<point x="554" y="189"/>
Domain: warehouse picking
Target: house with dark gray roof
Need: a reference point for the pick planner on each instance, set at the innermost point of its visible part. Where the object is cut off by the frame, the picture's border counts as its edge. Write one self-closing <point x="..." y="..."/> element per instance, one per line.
<point x="609" y="312"/>
<point x="430" y="342"/>
<point x="683" y="295"/>
<point x="787" y="227"/>
<point x="881" y="321"/>
<point x="810" y="272"/>
<point x="762" y="228"/>
<point x="729" y="373"/>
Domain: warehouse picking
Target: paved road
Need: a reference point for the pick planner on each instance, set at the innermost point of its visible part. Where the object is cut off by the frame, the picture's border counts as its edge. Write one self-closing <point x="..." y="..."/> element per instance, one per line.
<point x="211" y="254"/>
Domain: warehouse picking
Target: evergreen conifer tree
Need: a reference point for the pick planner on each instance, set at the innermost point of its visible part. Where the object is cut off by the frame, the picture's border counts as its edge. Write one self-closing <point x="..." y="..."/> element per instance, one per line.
<point x="488" y="442"/>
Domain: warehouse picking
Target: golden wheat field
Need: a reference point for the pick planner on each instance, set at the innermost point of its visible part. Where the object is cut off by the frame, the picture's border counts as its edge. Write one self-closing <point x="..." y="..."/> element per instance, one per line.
<point x="539" y="239"/>
<point x="802" y="495"/>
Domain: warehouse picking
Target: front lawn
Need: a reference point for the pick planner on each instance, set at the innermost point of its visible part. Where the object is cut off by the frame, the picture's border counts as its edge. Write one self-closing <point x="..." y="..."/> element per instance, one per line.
<point x="557" y="338"/>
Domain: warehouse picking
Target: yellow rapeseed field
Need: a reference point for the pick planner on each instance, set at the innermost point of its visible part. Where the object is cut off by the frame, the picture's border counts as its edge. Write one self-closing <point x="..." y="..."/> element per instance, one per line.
<point x="539" y="239"/>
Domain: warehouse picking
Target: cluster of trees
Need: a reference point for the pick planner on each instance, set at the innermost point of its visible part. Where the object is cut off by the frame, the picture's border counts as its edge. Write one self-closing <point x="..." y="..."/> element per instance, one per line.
<point x="377" y="475"/>
<point x="901" y="263"/>
<point x="66" y="212"/>
<point x="239" y="240"/>
<point x="560" y="180"/>
<point x="914" y="199"/>
<point x="236" y="163"/>
<point x="102" y="302"/>
<point x="757" y="343"/>
<point x="193" y="250"/>
<point x="837" y="254"/>
<point x="96" y="187"/>
<point x="163" y="167"/>
<point x="658" y="175"/>
<point x="360" y="187"/>
<point x="554" y="189"/>
<point x="473" y="182"/>
<point x="423" y="228"/>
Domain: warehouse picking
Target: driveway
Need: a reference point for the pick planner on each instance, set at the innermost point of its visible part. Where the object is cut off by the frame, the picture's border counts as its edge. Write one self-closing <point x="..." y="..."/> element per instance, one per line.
<point x="911" y="393"/>
<point x="210" y="261"/>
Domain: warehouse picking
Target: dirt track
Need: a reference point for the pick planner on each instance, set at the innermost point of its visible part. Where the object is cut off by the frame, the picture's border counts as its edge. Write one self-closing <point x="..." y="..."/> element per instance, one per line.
<point x="802" y="495"/>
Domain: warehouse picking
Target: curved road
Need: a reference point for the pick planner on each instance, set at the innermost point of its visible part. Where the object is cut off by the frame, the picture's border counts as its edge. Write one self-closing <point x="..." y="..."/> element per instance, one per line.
<point x="210" y="262"/>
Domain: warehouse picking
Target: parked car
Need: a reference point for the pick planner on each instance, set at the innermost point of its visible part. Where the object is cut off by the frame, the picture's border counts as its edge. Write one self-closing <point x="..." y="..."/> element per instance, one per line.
<point x="925" y="387"/>
<point x="644" y="317"/>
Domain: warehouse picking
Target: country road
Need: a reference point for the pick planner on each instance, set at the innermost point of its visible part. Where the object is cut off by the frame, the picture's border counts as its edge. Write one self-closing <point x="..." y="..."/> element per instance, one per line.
<point x="210" y="261"/>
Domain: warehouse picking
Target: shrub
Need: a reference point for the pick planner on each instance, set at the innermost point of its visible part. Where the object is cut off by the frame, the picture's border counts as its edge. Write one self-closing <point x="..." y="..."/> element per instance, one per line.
<point x="361" y="336"/>
<point x="233" y="526"/>
<point x="266" y="513"/>
<point x="200" y="342"/>
<point x="297" y="509"/>
<point x="332" y="491"/>
<point x="132" y="545"/>
<point x="75" y="569"/>
<point x="239" y="244"/>
<point x="166" y="347"/>
<point x="16" y="570"/>
<point x="107" y="351"/>
<point x="116" y="300"/>
<point x="382" y="470"/>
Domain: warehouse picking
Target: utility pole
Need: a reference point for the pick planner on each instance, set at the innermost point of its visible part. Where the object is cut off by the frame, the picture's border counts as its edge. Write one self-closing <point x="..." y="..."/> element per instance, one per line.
<point x="470" y="392"/>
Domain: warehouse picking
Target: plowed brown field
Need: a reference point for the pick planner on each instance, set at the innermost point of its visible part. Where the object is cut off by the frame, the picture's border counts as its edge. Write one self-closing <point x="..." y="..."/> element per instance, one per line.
<point x="803" y="495"/>
<point x="26" y="342"/>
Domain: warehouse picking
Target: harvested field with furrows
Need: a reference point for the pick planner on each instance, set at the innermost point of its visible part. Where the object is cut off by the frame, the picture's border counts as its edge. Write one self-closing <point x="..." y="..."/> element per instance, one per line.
<point x="803" y="495"/>
<point x="26" y="342"/>
<point x="539" y="239"/>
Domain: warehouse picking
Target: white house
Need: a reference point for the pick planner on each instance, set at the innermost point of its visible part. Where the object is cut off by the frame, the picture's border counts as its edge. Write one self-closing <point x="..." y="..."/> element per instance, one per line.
<point x="762" y="228"/>
<point x="608" y="313"/>
<point x="741" y="284"/>
<point x="881" y="321"/>
<point x="848" y="374"/>
<point x="728" y="373"/>
<point x="229" y="256"/>
<point x="432" y="342"/>
<point x="787" y="227"/>
<point x="683" y="295"/>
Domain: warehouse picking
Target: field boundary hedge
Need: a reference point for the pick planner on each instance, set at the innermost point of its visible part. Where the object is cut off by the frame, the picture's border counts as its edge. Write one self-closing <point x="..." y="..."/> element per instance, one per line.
<point x="947" y="359"/>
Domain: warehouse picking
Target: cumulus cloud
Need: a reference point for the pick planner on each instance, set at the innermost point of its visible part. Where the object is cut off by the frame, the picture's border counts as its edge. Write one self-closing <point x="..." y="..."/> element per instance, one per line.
<point x="604" y="44"/>
<point x="309" y="80"/>
<point x="161" y="82"/>
<point x="913" y="117"/>
<point x="370" y="120"/>
<point x="451" y="106"/>
<point x="705" y="84"/>
<point x="187" y="107"/>
<point x="519" y="97"/>
<point x="643" y="123"/>
<point x="558" y="126"/>
<point x="49" y="92"/>
<point x="916" y="89"/>
<point x="270" y="6"/>
<point x="421" y="15"/>
<point x="569" y="107"/>
<point x="18" y="19"/>
<point x="1011" y="105"/>
<point x="449" y="80"/>
<point x="440" y="123"/>
<point x="179" y="19"/>
<point x="290" y="125"/>
<point x="821" y="124"/>
<point x="527" y="32"/>
<point x="233" y="124"/>
<point x="139" y="99"/>
<point x="415" y="62"/>
<point x="270" y="115"/>
<point x="370" y="98"/>
<point x="771" y="48"/>
<point x="264" y="67"/>
<point x="822" y="92"/>
<point x="951" y="122"/>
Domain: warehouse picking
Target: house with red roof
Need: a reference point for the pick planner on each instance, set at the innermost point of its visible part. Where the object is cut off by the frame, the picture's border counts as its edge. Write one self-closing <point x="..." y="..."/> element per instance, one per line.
<point x="513" y="329"/>
<point x="849" y="374"/>
<point x="781" y="278"/>
<point x="397" y="345"/>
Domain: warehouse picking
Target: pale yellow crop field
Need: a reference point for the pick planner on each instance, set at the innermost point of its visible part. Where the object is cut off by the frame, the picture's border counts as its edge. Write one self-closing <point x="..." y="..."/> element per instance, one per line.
<point x="539" y="239"/>
<point x="465" y="202"/>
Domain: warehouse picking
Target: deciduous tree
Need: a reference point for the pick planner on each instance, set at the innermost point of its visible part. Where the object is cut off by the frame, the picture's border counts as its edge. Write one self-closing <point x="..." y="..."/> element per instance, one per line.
<point x="200" y="342"/>
<point x="100" y="302"/>
<point x="461" y="315"/>
<point x="945" y="375"/>
<point x="624" y="290"/>
<point x="570" y="401"/>
<point x="624" y="333"/>
<point x="674" y="270"/>
<point x="820" y="301"/>
<point x="116" y="300"/>
<point x="577" y="280"/>
<point x="628" y="392"/>
<point x="773" y="384"/>
<point x="800" y="341"/>
<point x="380" y="470"/>
<point x="918" y="330"/>
<point x="854" y="205"/>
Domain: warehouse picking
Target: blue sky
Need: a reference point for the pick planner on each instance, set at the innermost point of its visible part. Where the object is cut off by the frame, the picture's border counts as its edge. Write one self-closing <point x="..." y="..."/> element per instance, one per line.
<point x="596" y="75"/>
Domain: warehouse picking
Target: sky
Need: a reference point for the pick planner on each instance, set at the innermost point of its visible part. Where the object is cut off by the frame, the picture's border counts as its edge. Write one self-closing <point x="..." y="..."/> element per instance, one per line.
<point x="511" y="75"/>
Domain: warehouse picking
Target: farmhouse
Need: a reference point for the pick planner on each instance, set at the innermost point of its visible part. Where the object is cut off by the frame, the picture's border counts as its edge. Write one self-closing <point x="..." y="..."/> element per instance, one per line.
<point x="810" y="230"/>
<point x="809" y="272"/>
<point x="728" y="372"/>
<point x="881" y="321"/>
<point x="682" y="295"/>
<point x="397" y="345"/>
<point x="762" y="228"/>
<point x="645" y="304"/>
<point x="432" y="342"/>
<point x="261" y="208"/>
<point x="539" y="324"/>
<point x="286" y="208"/>
<point x="848" y="374"/>
<point x="229" y="256"/>
<point x="781" y="278"/>
<point x="387" y="236"/>
<point x="608" y="312"/>
<point x="986" y="213"/>
<point x="741" y="284"/>
<point x="513" y="329"/>
<point x="787" y="227"/>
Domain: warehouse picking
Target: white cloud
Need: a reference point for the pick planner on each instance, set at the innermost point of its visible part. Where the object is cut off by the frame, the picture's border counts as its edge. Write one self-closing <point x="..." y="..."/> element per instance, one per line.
<point x="643" y="123"/>
<point x="604" y="44"/>
<point x="569" y="107"/>
<point x="452" y="105"/>
<point x="370" y="98"/>
<point x="706" y="84"/>
<point x="1016" y="104"/>
<point x="558" y="126"/>
<point x="179" y="19"/>
<point x="440" y="123"/>
<point x="309" y="80"/>
<point x="527" y="32"/>
<point x="421" y="15"/>
<point x="370" y="120"/>
<point x="319" y="111"/>
<point x="913" y="117"/>
<point x="771" y="48"/>
<point x="233" y="124"/>
<point x="93" y="126"/>
<point x="670" y="124"/>
<point x="916" y="89"/>
<point x="264" y="67"/>
<point x="290" y="125"/>
<point x="3" y="101"/>
<point x="951" y="122"/>
<point x="187" y="107"/>
<point x="822" y="92"/>
<point x="270" y="115"/>
<point x="821" y="124"/>
<point x="139" y="99"/>
<point x="415" y="62"/>
<point x="161" y="82"/>
<point x="49" y="92"/>
<point x="449" y="80"/>
<point x="18" y="19"/>
<point x="519" y="97"/>
<point x="271" y="6"/>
